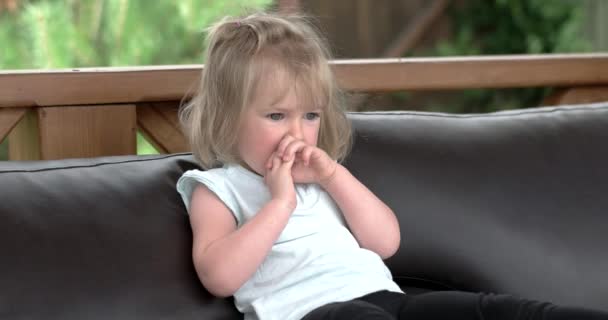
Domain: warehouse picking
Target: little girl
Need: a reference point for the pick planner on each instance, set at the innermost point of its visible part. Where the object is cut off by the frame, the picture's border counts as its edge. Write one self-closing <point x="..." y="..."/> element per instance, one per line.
<point x="277" y="221"/>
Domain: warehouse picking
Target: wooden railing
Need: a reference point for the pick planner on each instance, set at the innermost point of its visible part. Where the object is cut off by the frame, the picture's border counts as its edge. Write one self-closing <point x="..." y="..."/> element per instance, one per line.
<point x="55" y="114"/>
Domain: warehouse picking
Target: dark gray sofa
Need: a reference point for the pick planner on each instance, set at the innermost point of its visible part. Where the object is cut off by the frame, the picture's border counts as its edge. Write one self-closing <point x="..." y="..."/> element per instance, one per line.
<point x="511" y="202"/>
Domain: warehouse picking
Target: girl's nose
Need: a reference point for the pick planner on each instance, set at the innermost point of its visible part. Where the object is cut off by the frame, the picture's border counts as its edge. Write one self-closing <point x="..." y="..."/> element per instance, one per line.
<point x="295" y="130"/>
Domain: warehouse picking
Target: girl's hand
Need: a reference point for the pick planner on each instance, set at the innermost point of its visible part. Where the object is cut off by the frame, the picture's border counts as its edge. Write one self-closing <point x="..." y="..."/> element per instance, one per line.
<point x="311" y="164"/>
<point x="279" y="180"/>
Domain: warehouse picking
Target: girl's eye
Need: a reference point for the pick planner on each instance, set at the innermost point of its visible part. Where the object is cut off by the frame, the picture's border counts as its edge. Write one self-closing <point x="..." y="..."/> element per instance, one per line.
<point x="312" y="116"/>
<point x="276" y="116"/>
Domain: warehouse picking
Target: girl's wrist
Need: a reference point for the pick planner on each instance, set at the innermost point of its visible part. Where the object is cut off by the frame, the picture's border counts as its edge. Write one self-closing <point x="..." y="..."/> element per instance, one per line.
<point x="327" y="179"/>
<point x="284" y="204"/>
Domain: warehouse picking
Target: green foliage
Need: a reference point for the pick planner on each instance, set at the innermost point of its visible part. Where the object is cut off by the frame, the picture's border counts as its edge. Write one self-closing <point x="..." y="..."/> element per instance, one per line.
<point x="143" y="146"/>
<point x="70" y="33"/>
<point x="483" y="27"/>
<point x="515" y="26"/>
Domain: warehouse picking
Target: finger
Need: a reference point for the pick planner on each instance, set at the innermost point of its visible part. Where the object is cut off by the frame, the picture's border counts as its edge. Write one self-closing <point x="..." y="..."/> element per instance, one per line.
<point x="292" y="148"/>
<point x="306" y="153"/>
<point x="283" y="144"/>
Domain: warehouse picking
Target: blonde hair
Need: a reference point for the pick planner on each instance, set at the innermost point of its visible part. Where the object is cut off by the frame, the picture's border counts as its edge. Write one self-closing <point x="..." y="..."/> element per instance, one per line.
<point x="239" y="52"/>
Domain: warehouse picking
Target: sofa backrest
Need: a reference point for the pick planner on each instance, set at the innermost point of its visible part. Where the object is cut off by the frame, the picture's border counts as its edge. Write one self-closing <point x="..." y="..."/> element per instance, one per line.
<point x="511" y="202"/>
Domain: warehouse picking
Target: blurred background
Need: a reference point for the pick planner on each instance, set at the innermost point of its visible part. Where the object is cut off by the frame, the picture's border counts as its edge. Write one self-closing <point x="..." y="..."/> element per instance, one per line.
<point x="51" y="34"/>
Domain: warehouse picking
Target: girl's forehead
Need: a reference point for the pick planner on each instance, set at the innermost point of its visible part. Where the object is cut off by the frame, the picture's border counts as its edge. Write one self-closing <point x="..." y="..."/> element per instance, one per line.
<point x="274" y="88"/>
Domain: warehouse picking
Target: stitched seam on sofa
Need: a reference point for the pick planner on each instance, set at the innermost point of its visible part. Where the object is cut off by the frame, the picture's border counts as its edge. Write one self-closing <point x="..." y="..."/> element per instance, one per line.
<point x="99" y="164"/>
<point x="597" y="107"/>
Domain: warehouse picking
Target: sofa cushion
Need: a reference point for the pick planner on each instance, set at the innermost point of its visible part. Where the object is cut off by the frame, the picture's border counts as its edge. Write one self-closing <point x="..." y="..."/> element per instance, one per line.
<point x="513" y="201"/>
<point x="104" y="238"/>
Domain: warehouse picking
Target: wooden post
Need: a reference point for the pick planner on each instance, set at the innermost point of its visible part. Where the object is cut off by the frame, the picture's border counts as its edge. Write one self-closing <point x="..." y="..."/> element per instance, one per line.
<point x="409" y="37"/>
<point x="289" y="6"/>
<point x="407" y="40"/>
<point x="364" y="25"/>
<point x="74" y="132"/>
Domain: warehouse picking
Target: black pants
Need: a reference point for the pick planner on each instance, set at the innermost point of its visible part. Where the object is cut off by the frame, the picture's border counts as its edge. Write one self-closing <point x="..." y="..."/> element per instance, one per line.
<point x="453" y="305"/>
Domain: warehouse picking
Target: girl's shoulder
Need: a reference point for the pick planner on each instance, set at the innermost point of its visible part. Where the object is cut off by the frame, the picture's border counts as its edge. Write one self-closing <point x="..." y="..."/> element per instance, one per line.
<point x="190" y="178"/>
<point x="214" y="179"/>
<point x="229" y="178"/>
<point x="217" y="173"/>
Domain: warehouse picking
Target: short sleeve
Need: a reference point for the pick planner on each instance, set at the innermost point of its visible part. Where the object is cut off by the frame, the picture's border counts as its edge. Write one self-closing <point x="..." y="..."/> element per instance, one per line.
<point x="212" y="180"/>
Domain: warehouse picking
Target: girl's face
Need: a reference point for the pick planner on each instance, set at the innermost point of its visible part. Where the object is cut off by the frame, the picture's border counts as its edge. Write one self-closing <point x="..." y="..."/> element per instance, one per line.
<point x="270" y="117"/>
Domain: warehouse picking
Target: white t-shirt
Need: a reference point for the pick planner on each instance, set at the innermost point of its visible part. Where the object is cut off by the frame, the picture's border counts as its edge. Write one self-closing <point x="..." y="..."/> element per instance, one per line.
<point x="315" y="260"/>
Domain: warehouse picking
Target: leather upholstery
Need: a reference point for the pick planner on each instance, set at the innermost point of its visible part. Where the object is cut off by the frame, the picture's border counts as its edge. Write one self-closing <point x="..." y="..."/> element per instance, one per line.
<point x="511" y="202"/>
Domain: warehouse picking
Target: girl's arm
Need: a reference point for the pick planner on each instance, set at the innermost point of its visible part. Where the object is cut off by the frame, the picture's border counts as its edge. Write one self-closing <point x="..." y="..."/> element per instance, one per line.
<point x="372" y="222"/>
<point x="226" y="257"/>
